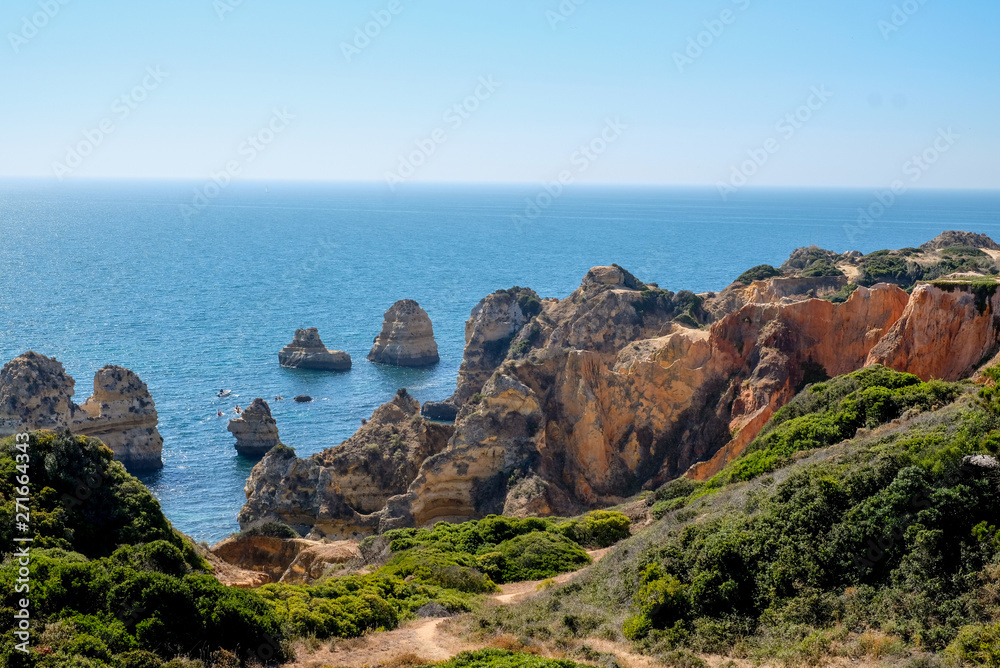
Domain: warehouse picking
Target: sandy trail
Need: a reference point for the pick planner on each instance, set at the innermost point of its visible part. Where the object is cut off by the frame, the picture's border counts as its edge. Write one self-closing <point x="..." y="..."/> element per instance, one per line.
<point x="424" y="640"/>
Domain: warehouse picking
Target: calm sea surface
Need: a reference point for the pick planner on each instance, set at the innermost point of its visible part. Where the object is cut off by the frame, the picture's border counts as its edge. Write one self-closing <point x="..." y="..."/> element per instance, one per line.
<point x="114" y="273"/>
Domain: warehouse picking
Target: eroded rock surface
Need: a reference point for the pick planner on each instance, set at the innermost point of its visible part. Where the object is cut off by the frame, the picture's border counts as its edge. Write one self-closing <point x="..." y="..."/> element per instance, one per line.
<point x="307" y="351"/>
<point x="340" y="492"/>
<point x="577" y="403"/>
<point x="36" y="393"/>
<point x="122" y="415"/>
<point x="407" y="337"/>
<point x="255" y="430"/>
<point x="291" y="561"/>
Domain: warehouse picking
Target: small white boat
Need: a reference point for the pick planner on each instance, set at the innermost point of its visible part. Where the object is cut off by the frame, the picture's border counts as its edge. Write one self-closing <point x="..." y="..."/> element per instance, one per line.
<point x="224" y="393"/>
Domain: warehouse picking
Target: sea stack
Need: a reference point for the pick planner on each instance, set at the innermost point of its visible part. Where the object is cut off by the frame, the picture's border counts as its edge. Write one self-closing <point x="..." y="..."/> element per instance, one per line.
<point x="36" y="393"/>
<point x="407" y="337"/>
<point x="307" y="351"/>
<point x="121" y="413"/>
<point x="256" y="431"/>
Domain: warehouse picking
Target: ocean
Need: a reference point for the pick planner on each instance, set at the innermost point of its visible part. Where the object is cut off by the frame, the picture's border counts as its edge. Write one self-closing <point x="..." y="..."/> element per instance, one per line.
<point x="199" y="298"/>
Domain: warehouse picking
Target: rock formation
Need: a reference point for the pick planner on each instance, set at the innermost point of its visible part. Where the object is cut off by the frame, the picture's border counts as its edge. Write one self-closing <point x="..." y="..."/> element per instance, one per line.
<point x="291" y="561"/>
<point x="255" y="430"/>
<point x="36" y="393"/>
<point x="122" y="415"/>
<point x="339" y="492"/>
<point x="407" y="337"/>
<point x="574" y="404"/>
<point x="489" y="332"/>
<point x="307" y="351"/>
<point x="928" y="345"/>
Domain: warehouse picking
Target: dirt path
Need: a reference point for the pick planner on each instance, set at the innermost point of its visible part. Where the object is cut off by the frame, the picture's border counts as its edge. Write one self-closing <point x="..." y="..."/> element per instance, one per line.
<point x="519" y="591"/>
<point x="415" y="643"/>
<point x="424" y="640"/>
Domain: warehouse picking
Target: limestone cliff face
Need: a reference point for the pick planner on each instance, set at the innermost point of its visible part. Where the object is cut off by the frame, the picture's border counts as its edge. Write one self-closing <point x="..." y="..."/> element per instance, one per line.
<point x="770" y="351"/>
<point x="290" y="561"/>
<point x="469" y="479"/>
<point x="407" y="337"/>
<point x="36" y="393"/>
<point x="122" y="415"/>
<point x="943" y="333"/>
<point x="489" y="332"/>
<point x="340" y="492"/>
<point x="255" y="430"/>
<point x="306" y="351"/>
<point x="622" y="386"/>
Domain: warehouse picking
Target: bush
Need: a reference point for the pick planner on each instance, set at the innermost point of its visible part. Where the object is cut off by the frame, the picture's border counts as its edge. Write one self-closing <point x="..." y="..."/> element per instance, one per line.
<point x="501" y="658"/>
<point x="111" y="579"/>
<point x="539" y="555"/>
<point x="758" y="273"/>
<point x="599" y="528"/>
<point x="271" y="530"/>
<point x="978" y="645"/>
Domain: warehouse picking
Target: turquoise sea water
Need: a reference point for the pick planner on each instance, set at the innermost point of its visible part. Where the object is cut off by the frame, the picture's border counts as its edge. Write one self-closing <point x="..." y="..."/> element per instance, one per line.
<point x="113" y="273"/>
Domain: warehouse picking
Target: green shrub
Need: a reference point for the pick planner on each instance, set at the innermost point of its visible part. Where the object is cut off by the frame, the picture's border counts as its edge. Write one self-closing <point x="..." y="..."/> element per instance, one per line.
<point x="501" y="658"/>
<point x="977" y="644"/>
<point x="271" y="530"/>
<point x="539" y="555"/>
<point x="598" y="528"/>
<point x="828" y="413"/>
<point x="758" y="273"/>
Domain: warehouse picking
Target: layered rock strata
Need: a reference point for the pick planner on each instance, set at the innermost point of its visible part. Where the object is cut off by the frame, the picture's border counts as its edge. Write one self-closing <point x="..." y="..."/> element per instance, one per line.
<point x="622" y="386"/>
<point x="407" y="337"/>
<point x="36" y="393"/>
<point x="255" y="430"/>
<point x="306" y="351"/>
<point x="290" y="561"/>
<point x="340" y="492"/>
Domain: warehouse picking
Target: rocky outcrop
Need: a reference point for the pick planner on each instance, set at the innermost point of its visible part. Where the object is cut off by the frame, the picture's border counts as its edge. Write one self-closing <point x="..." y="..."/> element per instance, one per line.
<point x="489" y="332"/>
<point x="495" y="438"/>
<point x="307" y="351"/>
<point x="622" y="386"/>
<point x="255" y="430"/>
<point x="958" y="238"/>
<point x="440" y="410"/>
<point x="36" y="393"/>
<point x="340" y="492"/>
<point x="407" y="337"/>
<point x="945" y="332"/>
<point x="290" y="561"/>
<point x="122" y="415"/>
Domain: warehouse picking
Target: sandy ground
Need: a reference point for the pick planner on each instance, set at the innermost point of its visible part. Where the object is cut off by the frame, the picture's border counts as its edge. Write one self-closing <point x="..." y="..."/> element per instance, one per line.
<point x="421" y="641"/>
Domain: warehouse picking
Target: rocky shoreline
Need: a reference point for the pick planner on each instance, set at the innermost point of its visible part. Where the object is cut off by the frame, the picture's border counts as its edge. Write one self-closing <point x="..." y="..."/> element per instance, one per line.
<point x="568" y="405"/>
<point x="36" y="393"/>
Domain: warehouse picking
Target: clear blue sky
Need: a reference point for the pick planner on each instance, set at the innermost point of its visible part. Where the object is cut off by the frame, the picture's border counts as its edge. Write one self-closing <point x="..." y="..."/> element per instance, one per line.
<point x="559" y="82"/>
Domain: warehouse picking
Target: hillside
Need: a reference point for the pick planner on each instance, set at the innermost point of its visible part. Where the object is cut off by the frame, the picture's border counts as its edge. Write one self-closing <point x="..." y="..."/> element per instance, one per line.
<point x="861" y="524"/>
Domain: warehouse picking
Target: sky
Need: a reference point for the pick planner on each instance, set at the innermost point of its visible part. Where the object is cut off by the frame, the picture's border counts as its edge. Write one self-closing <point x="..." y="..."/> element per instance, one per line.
<point x="825" y="93"/>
